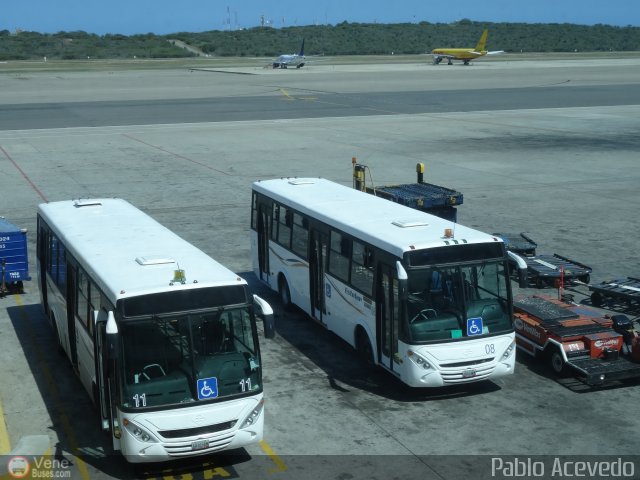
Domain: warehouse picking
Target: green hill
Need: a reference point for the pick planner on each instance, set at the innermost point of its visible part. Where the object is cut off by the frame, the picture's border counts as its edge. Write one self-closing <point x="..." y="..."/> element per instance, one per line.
<point x="342" y="39"/>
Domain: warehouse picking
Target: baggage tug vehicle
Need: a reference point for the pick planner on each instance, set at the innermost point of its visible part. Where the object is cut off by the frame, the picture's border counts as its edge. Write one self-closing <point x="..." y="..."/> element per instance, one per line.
<point x="578" y="340"/>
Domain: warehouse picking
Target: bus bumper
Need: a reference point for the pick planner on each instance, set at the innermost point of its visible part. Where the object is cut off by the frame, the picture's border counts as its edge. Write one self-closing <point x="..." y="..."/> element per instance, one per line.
<point x="136" y="451"/>
<point x="462" y="375"/>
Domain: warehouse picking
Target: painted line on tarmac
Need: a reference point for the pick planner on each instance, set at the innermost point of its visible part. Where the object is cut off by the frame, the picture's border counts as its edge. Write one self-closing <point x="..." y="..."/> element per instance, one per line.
<point x="5" y="444"/>
<point x="286" y="94"/>
<point x="52" y="387"/>
<point x="280" y="465"/>
<point x="26" y="177"/>
<point x="175" y="154"/>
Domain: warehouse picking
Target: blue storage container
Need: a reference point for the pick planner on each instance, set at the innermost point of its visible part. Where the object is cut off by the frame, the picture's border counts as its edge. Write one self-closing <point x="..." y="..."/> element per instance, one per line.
<point x="14" y="262"/>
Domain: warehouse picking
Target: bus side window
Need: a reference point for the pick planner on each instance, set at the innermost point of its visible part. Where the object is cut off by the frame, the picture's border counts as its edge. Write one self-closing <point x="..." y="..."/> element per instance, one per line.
<point x="274" y="221"/>
<point x="62" y="268"/>
<point x="254" y="211"/>
<point x="285" y="221"/>
<point x="82" y="297"/>
<point x="361" y="274"/>
<point x="338" y="260"/>
<point x="94" y="304"/>
<point x="300" y="236"/>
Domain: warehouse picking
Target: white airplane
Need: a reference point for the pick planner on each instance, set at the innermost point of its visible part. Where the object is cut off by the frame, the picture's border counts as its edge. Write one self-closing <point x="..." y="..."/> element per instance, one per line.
<point x="292" y="60"/>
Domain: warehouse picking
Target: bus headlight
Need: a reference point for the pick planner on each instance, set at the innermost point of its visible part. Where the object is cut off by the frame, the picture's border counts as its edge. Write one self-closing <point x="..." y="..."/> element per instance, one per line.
<point x="253" y="416"/>
<point x="139" y="432"/>
<point x="419" y="360"/>
<point x="509" y="351"/>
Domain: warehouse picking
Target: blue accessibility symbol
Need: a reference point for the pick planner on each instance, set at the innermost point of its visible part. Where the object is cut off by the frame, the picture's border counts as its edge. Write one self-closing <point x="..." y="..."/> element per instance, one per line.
<point x="207" y="388"/>
<point x="474" y="326"/>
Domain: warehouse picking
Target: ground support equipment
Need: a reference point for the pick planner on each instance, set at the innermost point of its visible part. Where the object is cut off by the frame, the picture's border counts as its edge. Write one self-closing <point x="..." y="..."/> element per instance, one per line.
<point x="578" y="340"/>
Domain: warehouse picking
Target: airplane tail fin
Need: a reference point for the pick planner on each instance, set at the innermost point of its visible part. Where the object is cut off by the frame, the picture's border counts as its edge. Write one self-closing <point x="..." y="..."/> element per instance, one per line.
<point x="302" y="49"/>
<point x="480" y="47"/>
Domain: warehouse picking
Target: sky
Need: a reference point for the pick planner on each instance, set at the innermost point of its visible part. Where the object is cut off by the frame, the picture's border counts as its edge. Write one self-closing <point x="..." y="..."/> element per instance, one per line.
<point x="162" y="17"/>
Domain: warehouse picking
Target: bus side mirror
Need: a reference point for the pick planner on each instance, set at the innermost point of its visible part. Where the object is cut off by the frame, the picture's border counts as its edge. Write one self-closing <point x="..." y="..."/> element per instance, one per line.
<point x="264" y="310"/>
<point x="112" y="335"/>
<point x="521" y="268"/>
<point x="403" y="279"/>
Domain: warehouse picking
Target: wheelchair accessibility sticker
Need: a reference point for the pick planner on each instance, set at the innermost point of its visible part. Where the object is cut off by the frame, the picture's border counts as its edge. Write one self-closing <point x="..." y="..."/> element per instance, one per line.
<point x="474" y="326"/>
<point x="207" y="388"/>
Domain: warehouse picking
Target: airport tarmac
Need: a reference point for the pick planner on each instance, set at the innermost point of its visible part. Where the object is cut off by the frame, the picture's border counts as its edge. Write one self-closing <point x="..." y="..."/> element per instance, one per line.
<point x="565" y="172"/>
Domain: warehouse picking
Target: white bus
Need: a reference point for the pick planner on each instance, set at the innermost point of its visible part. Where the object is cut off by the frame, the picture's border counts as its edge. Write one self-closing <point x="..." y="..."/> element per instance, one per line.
<point x="426" y="299"/>
<point x="162" y="336"/>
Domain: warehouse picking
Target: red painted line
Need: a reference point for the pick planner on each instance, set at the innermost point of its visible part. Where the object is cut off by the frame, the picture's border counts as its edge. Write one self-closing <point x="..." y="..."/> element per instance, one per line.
<point x="175" y="154"/>
<point x="26" y="177"/>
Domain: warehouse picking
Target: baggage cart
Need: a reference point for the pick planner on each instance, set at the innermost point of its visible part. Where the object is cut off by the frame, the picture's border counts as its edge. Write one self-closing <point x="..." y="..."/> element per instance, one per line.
<point x="14" y="264"/>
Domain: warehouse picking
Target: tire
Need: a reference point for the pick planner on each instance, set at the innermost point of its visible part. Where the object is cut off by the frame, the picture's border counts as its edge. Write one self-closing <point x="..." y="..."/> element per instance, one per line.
<point x="363" y="346"/>
<point x="284" y="293"/>
<point x="558" y="364"/>
<point x="596" y="299"/>
<point x="60" y="348"/>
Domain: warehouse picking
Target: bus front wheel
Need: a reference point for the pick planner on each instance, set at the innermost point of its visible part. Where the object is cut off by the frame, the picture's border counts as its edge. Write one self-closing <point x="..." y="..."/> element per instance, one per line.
<point x="363" y="346"/>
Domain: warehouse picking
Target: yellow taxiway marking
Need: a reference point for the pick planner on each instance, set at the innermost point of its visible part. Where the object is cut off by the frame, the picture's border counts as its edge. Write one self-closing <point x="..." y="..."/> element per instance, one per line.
<point x="54" y="392"/>
<point x="5" y="445"/>
<point x="286" y="94"/>
<point x="280" y="465"/>
<point x="291" y="98"/>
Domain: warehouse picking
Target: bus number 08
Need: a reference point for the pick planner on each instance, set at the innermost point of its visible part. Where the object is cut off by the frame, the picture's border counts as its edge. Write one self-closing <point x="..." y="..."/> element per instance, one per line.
<point x="490" y="349"/>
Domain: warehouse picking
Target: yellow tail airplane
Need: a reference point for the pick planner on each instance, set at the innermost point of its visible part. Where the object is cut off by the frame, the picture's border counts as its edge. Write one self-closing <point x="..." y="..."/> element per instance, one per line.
<point x="464" y="54"/>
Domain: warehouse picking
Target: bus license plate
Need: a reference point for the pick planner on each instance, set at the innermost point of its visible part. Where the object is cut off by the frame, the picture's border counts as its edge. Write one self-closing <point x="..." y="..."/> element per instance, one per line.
<point x="200" y="445"/>
<point x="469" y="373"/>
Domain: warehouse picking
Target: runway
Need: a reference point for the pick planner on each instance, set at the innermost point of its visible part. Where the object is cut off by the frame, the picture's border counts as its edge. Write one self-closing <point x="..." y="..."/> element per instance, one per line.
<point x="297" y="104"/>
<point x="542" y="147"/>
<point x="76" y="99"/>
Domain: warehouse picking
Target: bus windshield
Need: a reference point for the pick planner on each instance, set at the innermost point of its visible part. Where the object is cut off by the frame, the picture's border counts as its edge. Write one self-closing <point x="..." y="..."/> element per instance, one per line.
<point x="174" y="359"/>
<point x="447" y="303"/>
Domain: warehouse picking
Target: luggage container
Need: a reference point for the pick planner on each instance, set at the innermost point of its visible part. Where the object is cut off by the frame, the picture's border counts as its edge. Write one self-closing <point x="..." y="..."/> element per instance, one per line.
<point x="14" y="264"/>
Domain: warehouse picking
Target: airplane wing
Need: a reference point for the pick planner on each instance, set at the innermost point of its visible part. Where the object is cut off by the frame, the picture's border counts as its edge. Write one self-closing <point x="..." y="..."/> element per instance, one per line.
<point x="443" y="55"/>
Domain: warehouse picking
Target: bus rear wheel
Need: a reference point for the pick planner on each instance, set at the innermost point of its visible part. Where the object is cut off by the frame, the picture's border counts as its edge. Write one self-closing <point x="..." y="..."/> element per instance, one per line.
<point x="285" y="293"/>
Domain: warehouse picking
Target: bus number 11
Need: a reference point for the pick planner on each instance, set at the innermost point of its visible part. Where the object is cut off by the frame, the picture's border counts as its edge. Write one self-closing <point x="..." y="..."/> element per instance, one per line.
<point x="245" y="384"/>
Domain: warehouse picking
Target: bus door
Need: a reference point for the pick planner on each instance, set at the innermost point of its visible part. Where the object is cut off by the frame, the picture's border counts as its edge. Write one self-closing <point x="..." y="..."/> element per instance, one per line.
<point x="387" y="315"/>
<point x="71" y="315"/>
<point x="263" y="222"/>
<point x="106" y="371"/>
<point x="43" y="255"/>
<point x="317" y="262"/>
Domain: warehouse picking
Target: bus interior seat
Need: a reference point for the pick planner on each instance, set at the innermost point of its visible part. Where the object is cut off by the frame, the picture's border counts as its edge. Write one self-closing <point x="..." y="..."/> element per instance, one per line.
<point x="489" y="309"/>
<point x="231" y="370"/>
<point x="155" y="355"/>
<point x="440" y="328"/>
<point x="216" y="338"/>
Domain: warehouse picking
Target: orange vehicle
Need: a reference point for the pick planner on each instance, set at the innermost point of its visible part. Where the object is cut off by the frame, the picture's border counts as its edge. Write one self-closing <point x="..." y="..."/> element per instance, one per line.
<point x="578" y="340"/>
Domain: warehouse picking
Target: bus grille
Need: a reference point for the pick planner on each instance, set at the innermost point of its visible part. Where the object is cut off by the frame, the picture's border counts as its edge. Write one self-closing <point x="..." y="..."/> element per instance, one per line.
<point x="471" y="373"/>
<point x="183" y="449"/>
<point x="192" y="432"/>
<point x="466" y="364"/>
